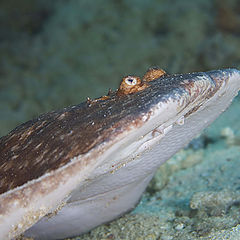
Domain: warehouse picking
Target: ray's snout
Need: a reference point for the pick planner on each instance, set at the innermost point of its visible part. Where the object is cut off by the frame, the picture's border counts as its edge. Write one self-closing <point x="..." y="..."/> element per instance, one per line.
<point x="229" y="78"/>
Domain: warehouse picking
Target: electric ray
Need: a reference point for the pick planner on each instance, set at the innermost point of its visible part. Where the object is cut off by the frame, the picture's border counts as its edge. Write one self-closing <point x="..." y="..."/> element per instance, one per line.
<point x="69" y="171"/>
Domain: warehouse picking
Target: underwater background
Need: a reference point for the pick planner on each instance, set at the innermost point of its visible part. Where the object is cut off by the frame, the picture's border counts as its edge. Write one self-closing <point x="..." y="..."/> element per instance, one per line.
<point x="57" y="53"/>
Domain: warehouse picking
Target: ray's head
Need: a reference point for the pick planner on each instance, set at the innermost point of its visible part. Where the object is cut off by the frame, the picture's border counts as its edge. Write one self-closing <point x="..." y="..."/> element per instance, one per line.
<point x="139" y="106"/>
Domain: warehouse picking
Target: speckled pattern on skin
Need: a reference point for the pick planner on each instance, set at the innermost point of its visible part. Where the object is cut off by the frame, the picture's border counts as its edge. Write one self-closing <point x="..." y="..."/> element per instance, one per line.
<point x="85" y="126"/>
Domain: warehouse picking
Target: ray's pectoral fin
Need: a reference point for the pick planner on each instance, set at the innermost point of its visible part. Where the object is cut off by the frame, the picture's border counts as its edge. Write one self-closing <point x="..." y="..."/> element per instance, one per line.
<point x="86" y="214"/>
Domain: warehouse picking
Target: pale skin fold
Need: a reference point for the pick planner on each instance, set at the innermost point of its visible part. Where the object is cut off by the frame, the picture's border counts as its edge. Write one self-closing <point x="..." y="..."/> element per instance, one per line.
<point x="68" y="171"/>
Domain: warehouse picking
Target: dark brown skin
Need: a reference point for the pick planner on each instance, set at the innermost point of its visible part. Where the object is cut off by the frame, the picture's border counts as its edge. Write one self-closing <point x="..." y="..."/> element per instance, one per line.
<point x="53" y="139"/>
<point x="49" y="142"/>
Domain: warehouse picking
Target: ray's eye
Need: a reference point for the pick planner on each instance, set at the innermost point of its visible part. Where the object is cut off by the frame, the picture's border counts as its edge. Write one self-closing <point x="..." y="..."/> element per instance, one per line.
<point x="131" y="81"/>
<point x="130" y="84"/>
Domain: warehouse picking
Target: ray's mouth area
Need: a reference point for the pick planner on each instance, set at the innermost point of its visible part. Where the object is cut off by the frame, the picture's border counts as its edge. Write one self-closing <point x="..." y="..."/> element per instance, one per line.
<point x="198" y="94"/>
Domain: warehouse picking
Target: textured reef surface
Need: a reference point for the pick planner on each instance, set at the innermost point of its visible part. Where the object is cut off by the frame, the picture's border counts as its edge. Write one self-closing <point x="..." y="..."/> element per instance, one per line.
<point x="57" y="53"/>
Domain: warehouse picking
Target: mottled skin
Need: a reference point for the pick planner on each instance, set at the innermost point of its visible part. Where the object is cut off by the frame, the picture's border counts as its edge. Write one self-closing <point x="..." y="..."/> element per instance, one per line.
<point x="43" y="161"/>
<point x="53" y="139"/>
